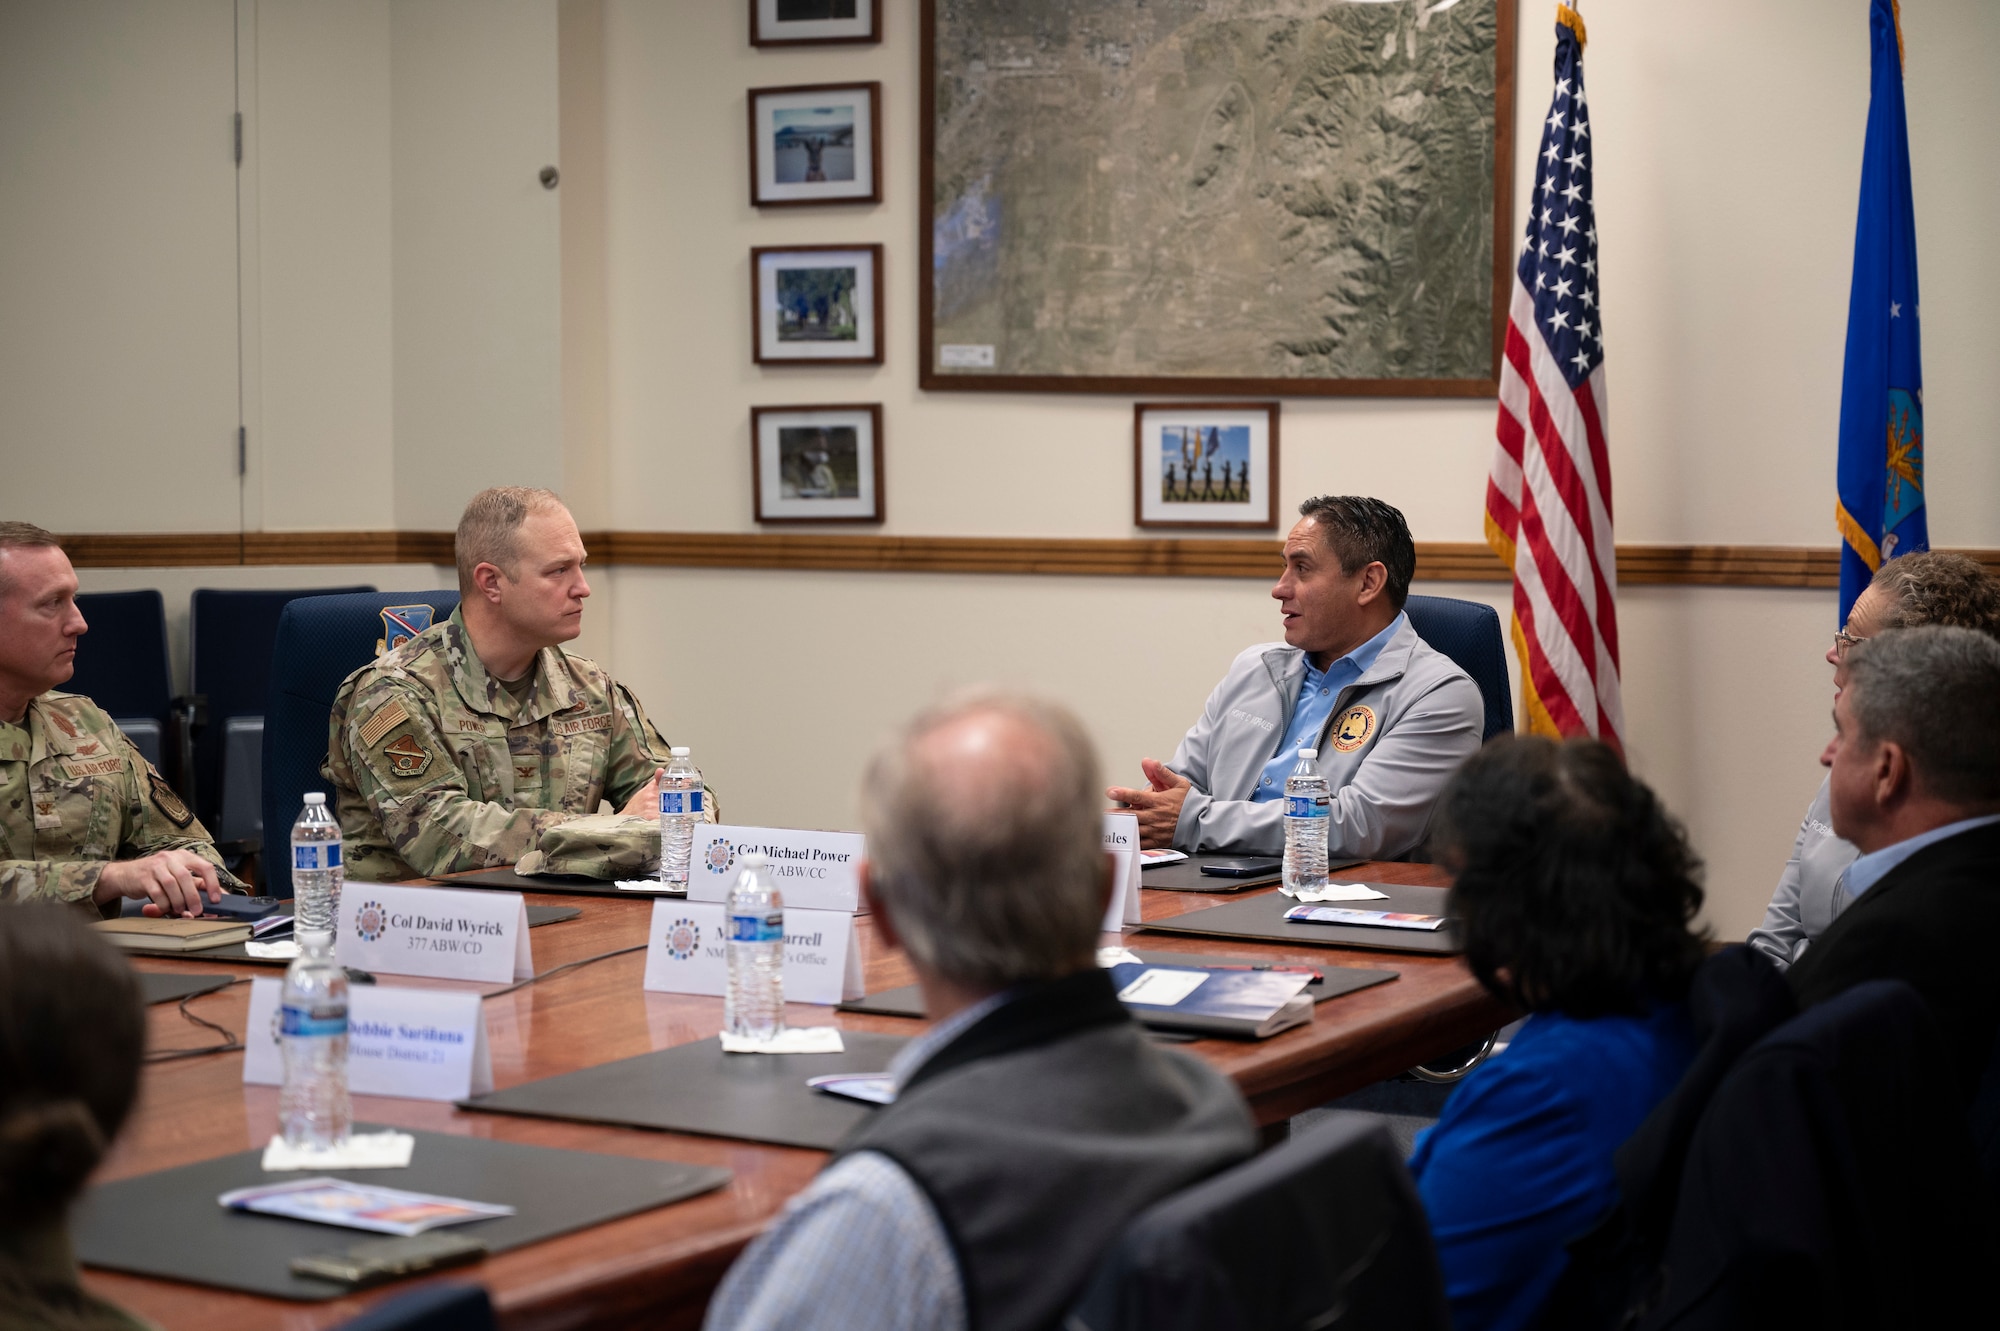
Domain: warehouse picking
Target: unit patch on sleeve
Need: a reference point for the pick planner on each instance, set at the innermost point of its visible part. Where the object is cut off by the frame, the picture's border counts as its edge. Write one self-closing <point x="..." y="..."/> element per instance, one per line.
<point x="407" y="757"/>
<point x="167" y="802"/>
<point x="386" y="719"/>
<point x="1355" y="727"/>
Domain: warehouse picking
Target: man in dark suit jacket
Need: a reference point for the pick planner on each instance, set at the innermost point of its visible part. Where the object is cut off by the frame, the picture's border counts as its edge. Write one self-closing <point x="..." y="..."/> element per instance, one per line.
<point x="1915" y="784"/>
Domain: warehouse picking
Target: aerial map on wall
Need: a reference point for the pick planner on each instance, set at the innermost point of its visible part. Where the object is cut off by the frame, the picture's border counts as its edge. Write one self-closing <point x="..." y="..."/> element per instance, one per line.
<point x="1293" y="196"/>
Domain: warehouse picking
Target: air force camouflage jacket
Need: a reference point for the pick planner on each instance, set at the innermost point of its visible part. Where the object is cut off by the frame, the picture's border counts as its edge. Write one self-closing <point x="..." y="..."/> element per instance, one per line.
<point x="74" y="795"/>
<point x="436" y="768"/>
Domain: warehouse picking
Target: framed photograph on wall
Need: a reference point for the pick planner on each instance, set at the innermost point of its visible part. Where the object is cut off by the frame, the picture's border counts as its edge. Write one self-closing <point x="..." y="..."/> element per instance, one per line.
<point x="817" y="464"/>
<point x="816" y="304"/>
<point x="815" y="22"/>
<point x="1205" y="464"/>
<point x="815" y="143"/>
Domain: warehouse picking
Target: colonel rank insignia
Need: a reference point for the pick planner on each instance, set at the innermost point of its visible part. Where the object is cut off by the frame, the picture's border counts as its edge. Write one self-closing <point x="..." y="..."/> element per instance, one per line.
<point x="407" y="757"/>
<point x="1355" y="726"/>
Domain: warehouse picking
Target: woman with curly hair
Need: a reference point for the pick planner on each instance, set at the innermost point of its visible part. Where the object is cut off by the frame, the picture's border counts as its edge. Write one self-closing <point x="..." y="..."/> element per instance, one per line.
<point x="1575" y="892"/>
<point x="72" y="1032"/>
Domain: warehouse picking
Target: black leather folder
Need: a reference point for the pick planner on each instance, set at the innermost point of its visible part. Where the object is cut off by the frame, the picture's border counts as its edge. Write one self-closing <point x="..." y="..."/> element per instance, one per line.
<point x="1262" y="918"/>
<point x="168" y="1225"/>
<point x="698" y="1088"/>
<point x="1186" y="875"/>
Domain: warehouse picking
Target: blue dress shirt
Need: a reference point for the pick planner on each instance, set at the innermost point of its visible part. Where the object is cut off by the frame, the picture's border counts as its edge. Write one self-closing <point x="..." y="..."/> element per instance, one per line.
<point x="862" y="1246"/>
<point x="1520" y="1163"/>
<point x="1870" y="869"/>
<point x="1317" y="694"/>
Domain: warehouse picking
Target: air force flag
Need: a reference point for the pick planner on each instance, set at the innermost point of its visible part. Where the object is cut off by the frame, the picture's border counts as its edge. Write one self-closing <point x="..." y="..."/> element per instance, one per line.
<point x="1880" y="477"/>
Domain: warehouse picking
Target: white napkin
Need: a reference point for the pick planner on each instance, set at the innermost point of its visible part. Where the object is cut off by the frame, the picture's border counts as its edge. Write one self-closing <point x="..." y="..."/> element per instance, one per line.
<point x="363" y="1150"/>
<point x="653" y="885"/>
<point x="791" y="1040"/>
<point x="284" y="950"/>
<point x="1339" y="892"/>
<point x="1108" y="957"/>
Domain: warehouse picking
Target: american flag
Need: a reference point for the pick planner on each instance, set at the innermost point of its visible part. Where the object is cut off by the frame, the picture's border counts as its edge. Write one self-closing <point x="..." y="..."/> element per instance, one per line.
<point x="1548" y="499"/>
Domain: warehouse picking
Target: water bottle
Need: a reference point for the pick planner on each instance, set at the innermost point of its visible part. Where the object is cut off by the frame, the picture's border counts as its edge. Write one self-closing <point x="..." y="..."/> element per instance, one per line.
<point x="680" y="810"/>
<point x="755" y="1004"/>
<point x="316" y="868"/>
<point x="313" y="1108"/>
<point x="1308" y="813"/>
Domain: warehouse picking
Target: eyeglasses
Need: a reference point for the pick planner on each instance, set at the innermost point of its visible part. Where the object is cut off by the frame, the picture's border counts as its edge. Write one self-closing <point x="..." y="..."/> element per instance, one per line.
<point x="1842" y="640"/>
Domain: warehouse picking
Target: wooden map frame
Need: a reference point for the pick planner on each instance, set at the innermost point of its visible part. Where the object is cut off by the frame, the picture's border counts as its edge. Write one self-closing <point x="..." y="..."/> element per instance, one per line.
<point x="932" y="377"/>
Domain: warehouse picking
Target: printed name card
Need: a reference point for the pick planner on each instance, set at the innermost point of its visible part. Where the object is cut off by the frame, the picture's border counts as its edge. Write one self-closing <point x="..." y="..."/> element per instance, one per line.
<point x="685" y="953"/>
<point x="417" y="1044"/>
<point x="1121" y="843"/>
<point x="445" y="934"/>
<point x="816" y="870"/>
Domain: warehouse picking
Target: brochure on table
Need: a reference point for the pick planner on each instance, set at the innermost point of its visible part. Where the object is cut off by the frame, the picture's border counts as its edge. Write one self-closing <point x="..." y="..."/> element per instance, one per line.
<point x="814" y="870"/>
<point x="418" y="1044"/>
<point x="434" y="931"/>
<point x="685" y="953"/>
<point x="1121" y="843"/>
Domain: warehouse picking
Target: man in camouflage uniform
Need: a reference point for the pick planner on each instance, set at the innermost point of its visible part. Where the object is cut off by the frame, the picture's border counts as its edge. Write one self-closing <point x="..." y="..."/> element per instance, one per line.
<point x="459" y="747"/>
<point x="83" y="817"/>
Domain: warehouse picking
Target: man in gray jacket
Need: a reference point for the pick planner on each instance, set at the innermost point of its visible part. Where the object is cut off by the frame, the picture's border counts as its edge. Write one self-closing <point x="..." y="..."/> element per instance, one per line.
<point x="1391" y="718"/>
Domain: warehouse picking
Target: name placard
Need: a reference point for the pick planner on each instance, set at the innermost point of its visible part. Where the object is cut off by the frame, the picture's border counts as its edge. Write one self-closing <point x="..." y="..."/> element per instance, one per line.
<point x="417" y="1044"/>
<point x="449" y="935"/>
<point x="815" y="870"/>
<point x="1121" y="843"/>
<point x="685" y="952"/>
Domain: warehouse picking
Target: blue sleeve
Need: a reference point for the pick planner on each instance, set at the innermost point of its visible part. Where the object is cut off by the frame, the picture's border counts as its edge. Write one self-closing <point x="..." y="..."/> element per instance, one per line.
<point x="1509" y="1177"/>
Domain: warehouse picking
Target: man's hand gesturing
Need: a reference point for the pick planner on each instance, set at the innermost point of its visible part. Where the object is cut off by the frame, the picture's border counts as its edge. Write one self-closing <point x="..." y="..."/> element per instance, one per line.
<point x="1159" y="808"/>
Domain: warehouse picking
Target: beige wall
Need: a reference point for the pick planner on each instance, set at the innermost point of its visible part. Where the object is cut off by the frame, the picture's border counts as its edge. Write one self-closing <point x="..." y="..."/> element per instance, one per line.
<point x="1728" y="142"/>
<point x="403" y="350"/>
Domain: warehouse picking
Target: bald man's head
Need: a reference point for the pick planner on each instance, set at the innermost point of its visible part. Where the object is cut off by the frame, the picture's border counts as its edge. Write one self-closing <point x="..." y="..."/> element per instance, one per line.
<point x="985" y="841"/>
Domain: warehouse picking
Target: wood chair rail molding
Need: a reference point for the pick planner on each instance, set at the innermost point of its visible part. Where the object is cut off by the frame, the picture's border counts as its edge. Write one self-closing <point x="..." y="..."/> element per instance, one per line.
<point x="1437" y="561"/>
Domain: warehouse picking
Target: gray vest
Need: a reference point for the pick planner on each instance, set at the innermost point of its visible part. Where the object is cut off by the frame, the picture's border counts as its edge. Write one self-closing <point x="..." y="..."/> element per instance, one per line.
<point x="1041" y="1131"/>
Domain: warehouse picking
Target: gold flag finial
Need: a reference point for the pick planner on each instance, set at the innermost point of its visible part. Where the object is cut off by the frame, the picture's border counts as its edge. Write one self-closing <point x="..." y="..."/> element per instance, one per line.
<point x="1574" y="21"/>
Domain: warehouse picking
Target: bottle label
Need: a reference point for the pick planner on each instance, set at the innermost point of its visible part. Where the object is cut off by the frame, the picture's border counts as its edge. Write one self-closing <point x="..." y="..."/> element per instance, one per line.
<point x="1308" y="806"/>
<point x="680" y="801"/>
<point x="757" y="928"/>
<point x="315" y="855"/>
<point x="314" y="1021"/>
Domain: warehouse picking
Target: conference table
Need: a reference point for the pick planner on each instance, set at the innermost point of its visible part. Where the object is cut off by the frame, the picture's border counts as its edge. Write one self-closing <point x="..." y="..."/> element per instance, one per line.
<point x="658" y="1268"/>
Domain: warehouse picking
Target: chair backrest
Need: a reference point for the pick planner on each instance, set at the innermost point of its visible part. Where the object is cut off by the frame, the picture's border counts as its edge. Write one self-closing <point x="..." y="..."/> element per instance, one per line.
<point x="439" y="1307"/>
<point x="321" y="640"/>
<point x="1831" y="1181"/>
<point x="1323" y="1231"/>
<point x="230" y="632"/>
<point x="121" y="662"/>
<point x="1469" y="633"/>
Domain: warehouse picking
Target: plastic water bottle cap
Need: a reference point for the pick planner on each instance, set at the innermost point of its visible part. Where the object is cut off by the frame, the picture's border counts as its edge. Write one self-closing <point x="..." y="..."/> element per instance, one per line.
<point x="754" y="859"/>
<point x="679" y="751"/>
<point x="315" y="797"/>
<point x="1308" y="753"/>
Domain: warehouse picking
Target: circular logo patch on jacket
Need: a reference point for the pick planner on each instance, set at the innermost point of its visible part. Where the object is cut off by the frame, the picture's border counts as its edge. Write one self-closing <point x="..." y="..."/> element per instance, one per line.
<point x="1355" y="727"/>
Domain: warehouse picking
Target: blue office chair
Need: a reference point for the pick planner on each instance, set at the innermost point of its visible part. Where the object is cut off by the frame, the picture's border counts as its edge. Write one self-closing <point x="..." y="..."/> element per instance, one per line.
<point x="1325" y="1230"/>
<point x="322" y="640"/>
<point x="230" y="634"/>
<point x="440" y="1307"/>
<point x="1469" y="633"/>
<point x="121" y="665"/>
